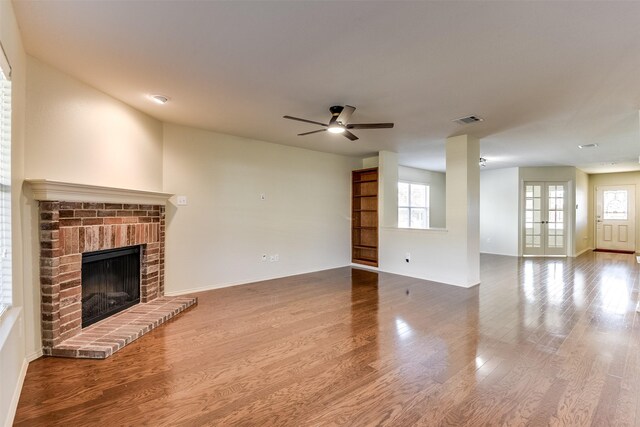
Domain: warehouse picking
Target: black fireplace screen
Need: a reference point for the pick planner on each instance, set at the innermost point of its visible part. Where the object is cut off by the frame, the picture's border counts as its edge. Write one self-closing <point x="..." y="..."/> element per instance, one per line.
<point x="110" y="282"/>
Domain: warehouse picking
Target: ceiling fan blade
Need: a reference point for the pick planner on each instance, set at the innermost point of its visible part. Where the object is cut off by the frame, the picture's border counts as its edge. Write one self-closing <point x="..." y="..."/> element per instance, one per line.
<point x="370" y="126"/>
<point x="313" y="131"/>
<point x="345" y="114"/>
<point x="304" y="120"/>
<point x="349" y="135"/>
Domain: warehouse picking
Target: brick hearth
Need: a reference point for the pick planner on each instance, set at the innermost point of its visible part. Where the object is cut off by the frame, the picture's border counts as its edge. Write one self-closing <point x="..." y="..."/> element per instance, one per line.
<point x="104" y="338"/>
<point x="67" y="230"/>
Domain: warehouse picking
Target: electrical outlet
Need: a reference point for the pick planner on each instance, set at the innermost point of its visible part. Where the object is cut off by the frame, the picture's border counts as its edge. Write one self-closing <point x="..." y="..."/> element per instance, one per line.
<point x="272" y="258"/>
<point x="276" y="257"/>
<point x="181" y="200"/>
<point x="407" y="257"/>
<point x="264" y="257"/>
<point x="263" y="196"/>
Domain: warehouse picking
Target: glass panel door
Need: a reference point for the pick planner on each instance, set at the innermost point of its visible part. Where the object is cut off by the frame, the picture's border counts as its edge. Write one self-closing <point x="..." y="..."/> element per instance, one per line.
<point x="555" y="225"/>
<point x="533" y="237"/>
<point x="545" y="218"/>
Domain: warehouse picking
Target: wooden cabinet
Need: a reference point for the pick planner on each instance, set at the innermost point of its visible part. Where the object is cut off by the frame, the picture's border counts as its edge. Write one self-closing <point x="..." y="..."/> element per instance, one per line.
<point x="364" y="222"/>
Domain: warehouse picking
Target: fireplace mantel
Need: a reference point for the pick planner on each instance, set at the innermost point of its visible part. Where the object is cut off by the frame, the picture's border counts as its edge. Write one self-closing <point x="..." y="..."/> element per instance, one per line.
<point x="47" y="190"/>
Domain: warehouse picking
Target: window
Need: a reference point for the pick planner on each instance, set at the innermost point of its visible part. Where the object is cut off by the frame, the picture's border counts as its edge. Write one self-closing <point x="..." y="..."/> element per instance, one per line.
<point x="615" y="204"/>
<point x="413" y="205"/>
<point x="5" y="184"/>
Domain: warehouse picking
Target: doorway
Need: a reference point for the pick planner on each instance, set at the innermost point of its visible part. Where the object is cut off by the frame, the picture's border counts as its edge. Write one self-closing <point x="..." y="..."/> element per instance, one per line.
<point x="616" y="218"/>
<point x="545" y="219"/>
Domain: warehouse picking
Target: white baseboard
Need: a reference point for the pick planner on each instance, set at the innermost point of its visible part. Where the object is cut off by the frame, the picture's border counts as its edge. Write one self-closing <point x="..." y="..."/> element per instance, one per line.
<point x="33" y="356"/>
<point x="498" y="253"/>
<point x="241" y="282"/>
<point x="13" y="406"/>
<point x="583" y="251"/>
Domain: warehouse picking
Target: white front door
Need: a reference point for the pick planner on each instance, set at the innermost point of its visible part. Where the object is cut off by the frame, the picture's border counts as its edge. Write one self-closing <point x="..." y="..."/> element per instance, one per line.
<point x="545" y="219"/>
<point x="615" y="218"/>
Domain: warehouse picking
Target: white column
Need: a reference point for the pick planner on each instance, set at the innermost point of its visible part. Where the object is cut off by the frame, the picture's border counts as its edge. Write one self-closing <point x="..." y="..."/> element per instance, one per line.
<point x="463" y="204"/>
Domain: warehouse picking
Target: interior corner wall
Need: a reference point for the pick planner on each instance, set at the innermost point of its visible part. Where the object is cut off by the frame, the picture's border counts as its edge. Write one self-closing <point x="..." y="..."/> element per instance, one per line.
<point x="581" y="236"/>
<point x="78" y="134"/>
<point x="437" y="192"/>
<point x="499" y="211"/>
<point x="623" y="178"/>
<point x="219" y="237"/>
<point x="13" y="348"/>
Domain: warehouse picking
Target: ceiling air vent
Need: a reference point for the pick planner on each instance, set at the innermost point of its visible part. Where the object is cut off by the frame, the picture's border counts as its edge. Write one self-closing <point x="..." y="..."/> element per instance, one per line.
<point x="468" y="120"/>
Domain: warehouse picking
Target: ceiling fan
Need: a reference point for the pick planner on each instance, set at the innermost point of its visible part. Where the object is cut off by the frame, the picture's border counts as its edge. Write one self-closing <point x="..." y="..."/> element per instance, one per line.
<point x="339" y="122"/>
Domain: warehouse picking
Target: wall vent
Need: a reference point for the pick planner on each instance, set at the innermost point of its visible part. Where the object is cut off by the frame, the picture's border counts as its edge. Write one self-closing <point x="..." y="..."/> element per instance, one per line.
<point x="468" y="120"/>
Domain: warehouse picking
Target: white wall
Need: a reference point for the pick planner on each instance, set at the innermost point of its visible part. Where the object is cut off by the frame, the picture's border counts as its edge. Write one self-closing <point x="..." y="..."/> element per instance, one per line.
<point x="581" y="236"/>
<point x="218" y="238"/>
<point x="625" y="178"/>
<point x="499" y="211"/>
<point x="388" y="189"/>
<point x="448" y="256"/>
<point x="12" y="323"/>
<point x="79" y="134"/>
<point x="437" y="192"/>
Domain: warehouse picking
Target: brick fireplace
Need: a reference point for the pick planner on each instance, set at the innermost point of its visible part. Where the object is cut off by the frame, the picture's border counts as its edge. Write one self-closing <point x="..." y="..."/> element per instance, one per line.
<point x="69" y="229"/>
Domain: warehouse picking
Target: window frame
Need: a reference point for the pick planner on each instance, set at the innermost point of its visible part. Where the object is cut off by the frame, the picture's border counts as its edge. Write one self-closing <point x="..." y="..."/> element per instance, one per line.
<point x="6" y="279"/>
<point x="410" y="207"/>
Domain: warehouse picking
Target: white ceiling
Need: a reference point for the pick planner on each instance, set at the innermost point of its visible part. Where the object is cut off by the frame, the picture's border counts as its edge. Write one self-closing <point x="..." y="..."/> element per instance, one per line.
<point x="545" y="76"/>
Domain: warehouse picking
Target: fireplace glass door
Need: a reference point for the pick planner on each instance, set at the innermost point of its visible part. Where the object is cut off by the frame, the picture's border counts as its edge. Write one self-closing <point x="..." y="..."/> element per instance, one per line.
<point x="110" y="282"/>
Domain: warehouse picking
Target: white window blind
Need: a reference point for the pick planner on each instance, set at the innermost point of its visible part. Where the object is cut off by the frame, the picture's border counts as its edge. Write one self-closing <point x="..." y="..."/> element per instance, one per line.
<point x="5" y="184"/>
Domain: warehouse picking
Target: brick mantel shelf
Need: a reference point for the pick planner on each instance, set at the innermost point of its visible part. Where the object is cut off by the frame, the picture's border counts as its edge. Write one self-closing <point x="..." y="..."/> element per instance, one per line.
<point x="74" y="219"/>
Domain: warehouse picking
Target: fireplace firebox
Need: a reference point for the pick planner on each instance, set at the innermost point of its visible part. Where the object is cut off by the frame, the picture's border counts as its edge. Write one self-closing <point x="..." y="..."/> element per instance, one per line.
<point x="110" y="282"/>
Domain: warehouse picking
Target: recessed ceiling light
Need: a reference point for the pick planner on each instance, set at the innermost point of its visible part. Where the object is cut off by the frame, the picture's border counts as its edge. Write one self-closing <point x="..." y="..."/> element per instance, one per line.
<point x="159" y="99"/>
<point x="587" y="146"/>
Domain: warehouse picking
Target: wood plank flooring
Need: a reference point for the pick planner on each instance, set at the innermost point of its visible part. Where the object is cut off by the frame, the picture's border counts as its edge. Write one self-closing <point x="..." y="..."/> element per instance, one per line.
<point x="540" y="342"/>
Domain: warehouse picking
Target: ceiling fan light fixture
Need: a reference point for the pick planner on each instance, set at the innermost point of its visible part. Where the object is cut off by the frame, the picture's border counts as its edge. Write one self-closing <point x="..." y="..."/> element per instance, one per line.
<point x="336" y="129"/>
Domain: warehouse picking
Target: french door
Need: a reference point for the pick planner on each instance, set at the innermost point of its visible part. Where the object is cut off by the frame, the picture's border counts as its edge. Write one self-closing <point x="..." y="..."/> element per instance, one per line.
<point x="545" y="218"/>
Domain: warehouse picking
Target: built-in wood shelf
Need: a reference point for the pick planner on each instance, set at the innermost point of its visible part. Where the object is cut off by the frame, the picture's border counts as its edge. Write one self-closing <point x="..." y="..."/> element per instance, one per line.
<point x="364" y="222"/>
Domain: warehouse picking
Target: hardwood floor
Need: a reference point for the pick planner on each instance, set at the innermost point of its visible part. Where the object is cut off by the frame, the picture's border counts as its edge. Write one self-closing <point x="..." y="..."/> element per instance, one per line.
<point x="540" y="342"/>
